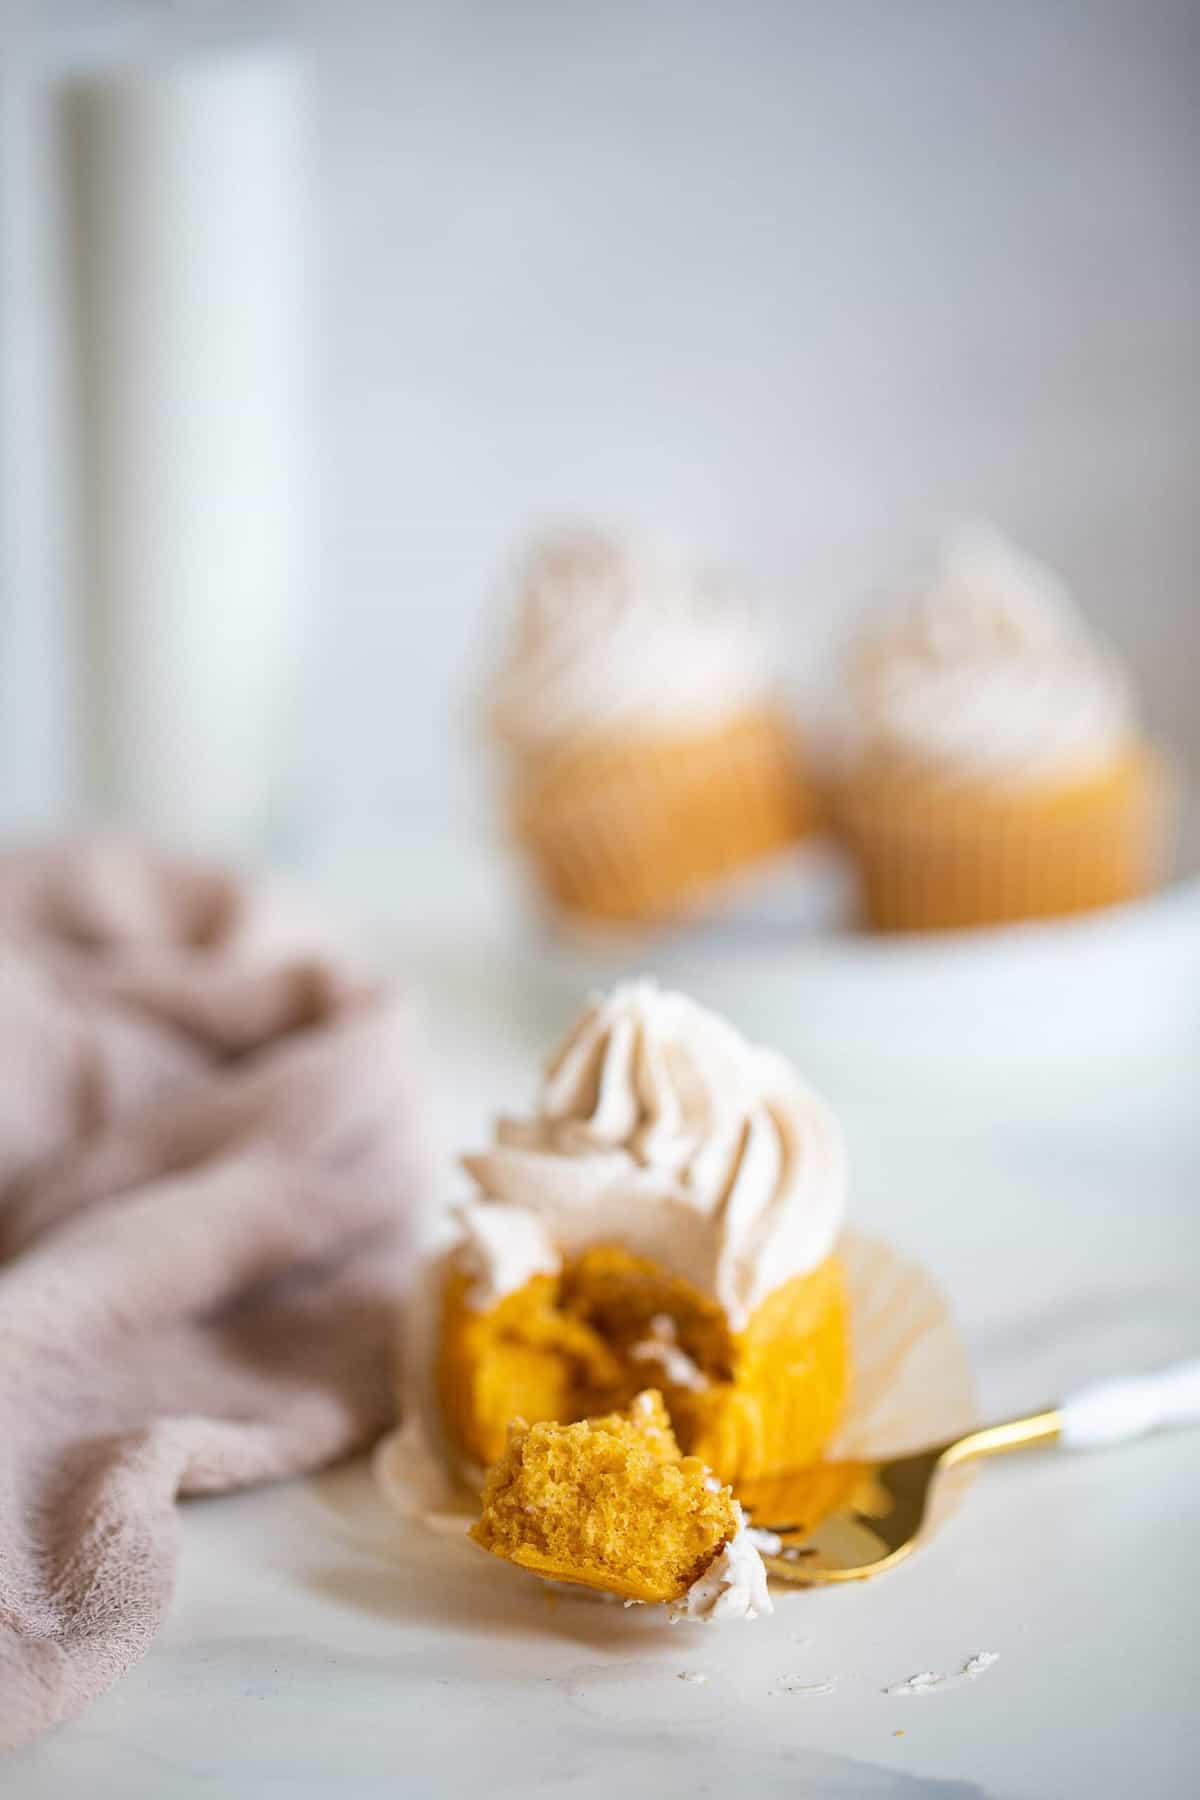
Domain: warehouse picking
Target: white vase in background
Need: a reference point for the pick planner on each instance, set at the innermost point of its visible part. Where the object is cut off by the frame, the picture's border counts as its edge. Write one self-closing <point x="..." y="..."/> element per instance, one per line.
<point x="187" y="193"/>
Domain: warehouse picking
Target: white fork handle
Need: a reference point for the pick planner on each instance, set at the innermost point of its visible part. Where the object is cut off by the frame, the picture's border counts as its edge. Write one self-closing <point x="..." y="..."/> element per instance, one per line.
<point x="1114" y="1412"/>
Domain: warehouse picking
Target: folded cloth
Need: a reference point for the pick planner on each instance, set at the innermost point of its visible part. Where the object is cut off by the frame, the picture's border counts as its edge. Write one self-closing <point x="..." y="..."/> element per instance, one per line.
<point x="209" y="1141"/>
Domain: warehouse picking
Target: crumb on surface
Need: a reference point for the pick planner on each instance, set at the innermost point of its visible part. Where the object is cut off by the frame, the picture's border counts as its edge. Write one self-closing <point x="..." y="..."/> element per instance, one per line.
<point x="928" y="1681"/>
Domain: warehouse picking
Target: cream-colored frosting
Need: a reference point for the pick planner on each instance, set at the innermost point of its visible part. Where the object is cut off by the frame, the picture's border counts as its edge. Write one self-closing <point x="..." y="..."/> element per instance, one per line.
<point x="767" y="1543"/>
<point x="613" y="636"/>
<point x="991" y="673"/>
<point x="502" y="1248"/>
<point x="734" y="1585"/>
<point x="660" y="1129"/>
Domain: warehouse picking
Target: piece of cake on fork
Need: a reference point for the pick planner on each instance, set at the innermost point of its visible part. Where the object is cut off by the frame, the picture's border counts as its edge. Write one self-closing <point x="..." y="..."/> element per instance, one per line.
<point x="610" y="1503"/>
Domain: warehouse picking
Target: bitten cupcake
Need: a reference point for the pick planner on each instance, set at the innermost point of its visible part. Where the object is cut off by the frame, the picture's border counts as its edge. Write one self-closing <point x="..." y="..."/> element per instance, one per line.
<point x="666" y="1218"/>
<point x="646" y="757"/>
<point x="994" y="769"/>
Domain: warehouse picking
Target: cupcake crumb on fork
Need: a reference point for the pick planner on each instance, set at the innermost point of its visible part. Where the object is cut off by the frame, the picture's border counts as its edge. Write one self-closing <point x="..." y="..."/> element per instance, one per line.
<point x="611" y="1504"/>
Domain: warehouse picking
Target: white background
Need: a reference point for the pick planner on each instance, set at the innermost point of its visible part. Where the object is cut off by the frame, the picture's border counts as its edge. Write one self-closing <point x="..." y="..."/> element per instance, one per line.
<point x="801" y="282"/>
<point x="798" y="282"/>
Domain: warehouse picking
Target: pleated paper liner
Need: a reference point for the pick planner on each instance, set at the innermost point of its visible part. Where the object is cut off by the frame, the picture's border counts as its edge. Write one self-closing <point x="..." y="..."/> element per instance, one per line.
<point x="933" y="857"/>
<point x="637" y="832"/>
<point x="911" y="1386"/>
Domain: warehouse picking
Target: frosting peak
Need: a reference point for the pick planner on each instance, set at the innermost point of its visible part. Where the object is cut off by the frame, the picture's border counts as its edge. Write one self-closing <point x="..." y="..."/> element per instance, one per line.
<point x="659" y="1128"/>
<point x="992" y="672"/>
<point x="615" y="633"/>
<point x="988" y="598"/>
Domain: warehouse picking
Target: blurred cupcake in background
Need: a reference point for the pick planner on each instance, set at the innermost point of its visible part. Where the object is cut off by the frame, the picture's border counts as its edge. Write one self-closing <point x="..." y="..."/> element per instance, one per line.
<point x="994" y="769"/>
<point x="646" y="757"/>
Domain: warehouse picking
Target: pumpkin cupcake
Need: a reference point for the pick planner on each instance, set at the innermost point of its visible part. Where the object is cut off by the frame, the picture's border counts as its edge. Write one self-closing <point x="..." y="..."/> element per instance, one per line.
<point x="994" y="769"/>
<point x="646" y="757"/>
<point x="666" y="1217"/>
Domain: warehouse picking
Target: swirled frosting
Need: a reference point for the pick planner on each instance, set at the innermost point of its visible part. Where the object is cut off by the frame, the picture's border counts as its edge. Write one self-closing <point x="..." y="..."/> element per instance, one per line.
<point x="614" y="635"/>
<point x="660" y="1129"/>
<point x="991" y="673"/>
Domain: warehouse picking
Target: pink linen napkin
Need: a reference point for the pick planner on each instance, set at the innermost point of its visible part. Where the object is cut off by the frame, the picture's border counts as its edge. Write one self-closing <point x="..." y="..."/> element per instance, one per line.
<point x="208" y="1145"/>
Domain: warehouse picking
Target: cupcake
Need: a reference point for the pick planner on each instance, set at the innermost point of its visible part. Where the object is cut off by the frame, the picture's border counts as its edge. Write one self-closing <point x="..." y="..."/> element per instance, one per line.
<point x="994" y="769"/>
<point x="666" y="1218"/>
<point x="646" y="757"/>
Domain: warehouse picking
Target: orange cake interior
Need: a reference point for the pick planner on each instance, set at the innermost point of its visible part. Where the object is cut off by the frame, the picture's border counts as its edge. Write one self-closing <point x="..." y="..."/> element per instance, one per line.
<point x="568" y="1346"/>
<point x="607" y="1503"/>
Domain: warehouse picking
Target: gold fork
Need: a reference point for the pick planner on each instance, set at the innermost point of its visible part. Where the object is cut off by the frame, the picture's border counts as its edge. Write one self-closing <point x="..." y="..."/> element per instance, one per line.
<point x="849" y="1520"/>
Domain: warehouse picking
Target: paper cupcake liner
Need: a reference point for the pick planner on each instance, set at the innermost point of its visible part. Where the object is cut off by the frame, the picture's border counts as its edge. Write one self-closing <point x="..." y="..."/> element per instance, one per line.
<point x="636" y="831"/>
<point x="931" y="859"/>
<point x="911" y="1385"/>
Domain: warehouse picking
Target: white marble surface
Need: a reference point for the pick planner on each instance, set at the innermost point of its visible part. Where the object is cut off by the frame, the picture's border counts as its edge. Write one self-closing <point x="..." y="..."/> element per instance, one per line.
<point x="316" y="1645"/>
